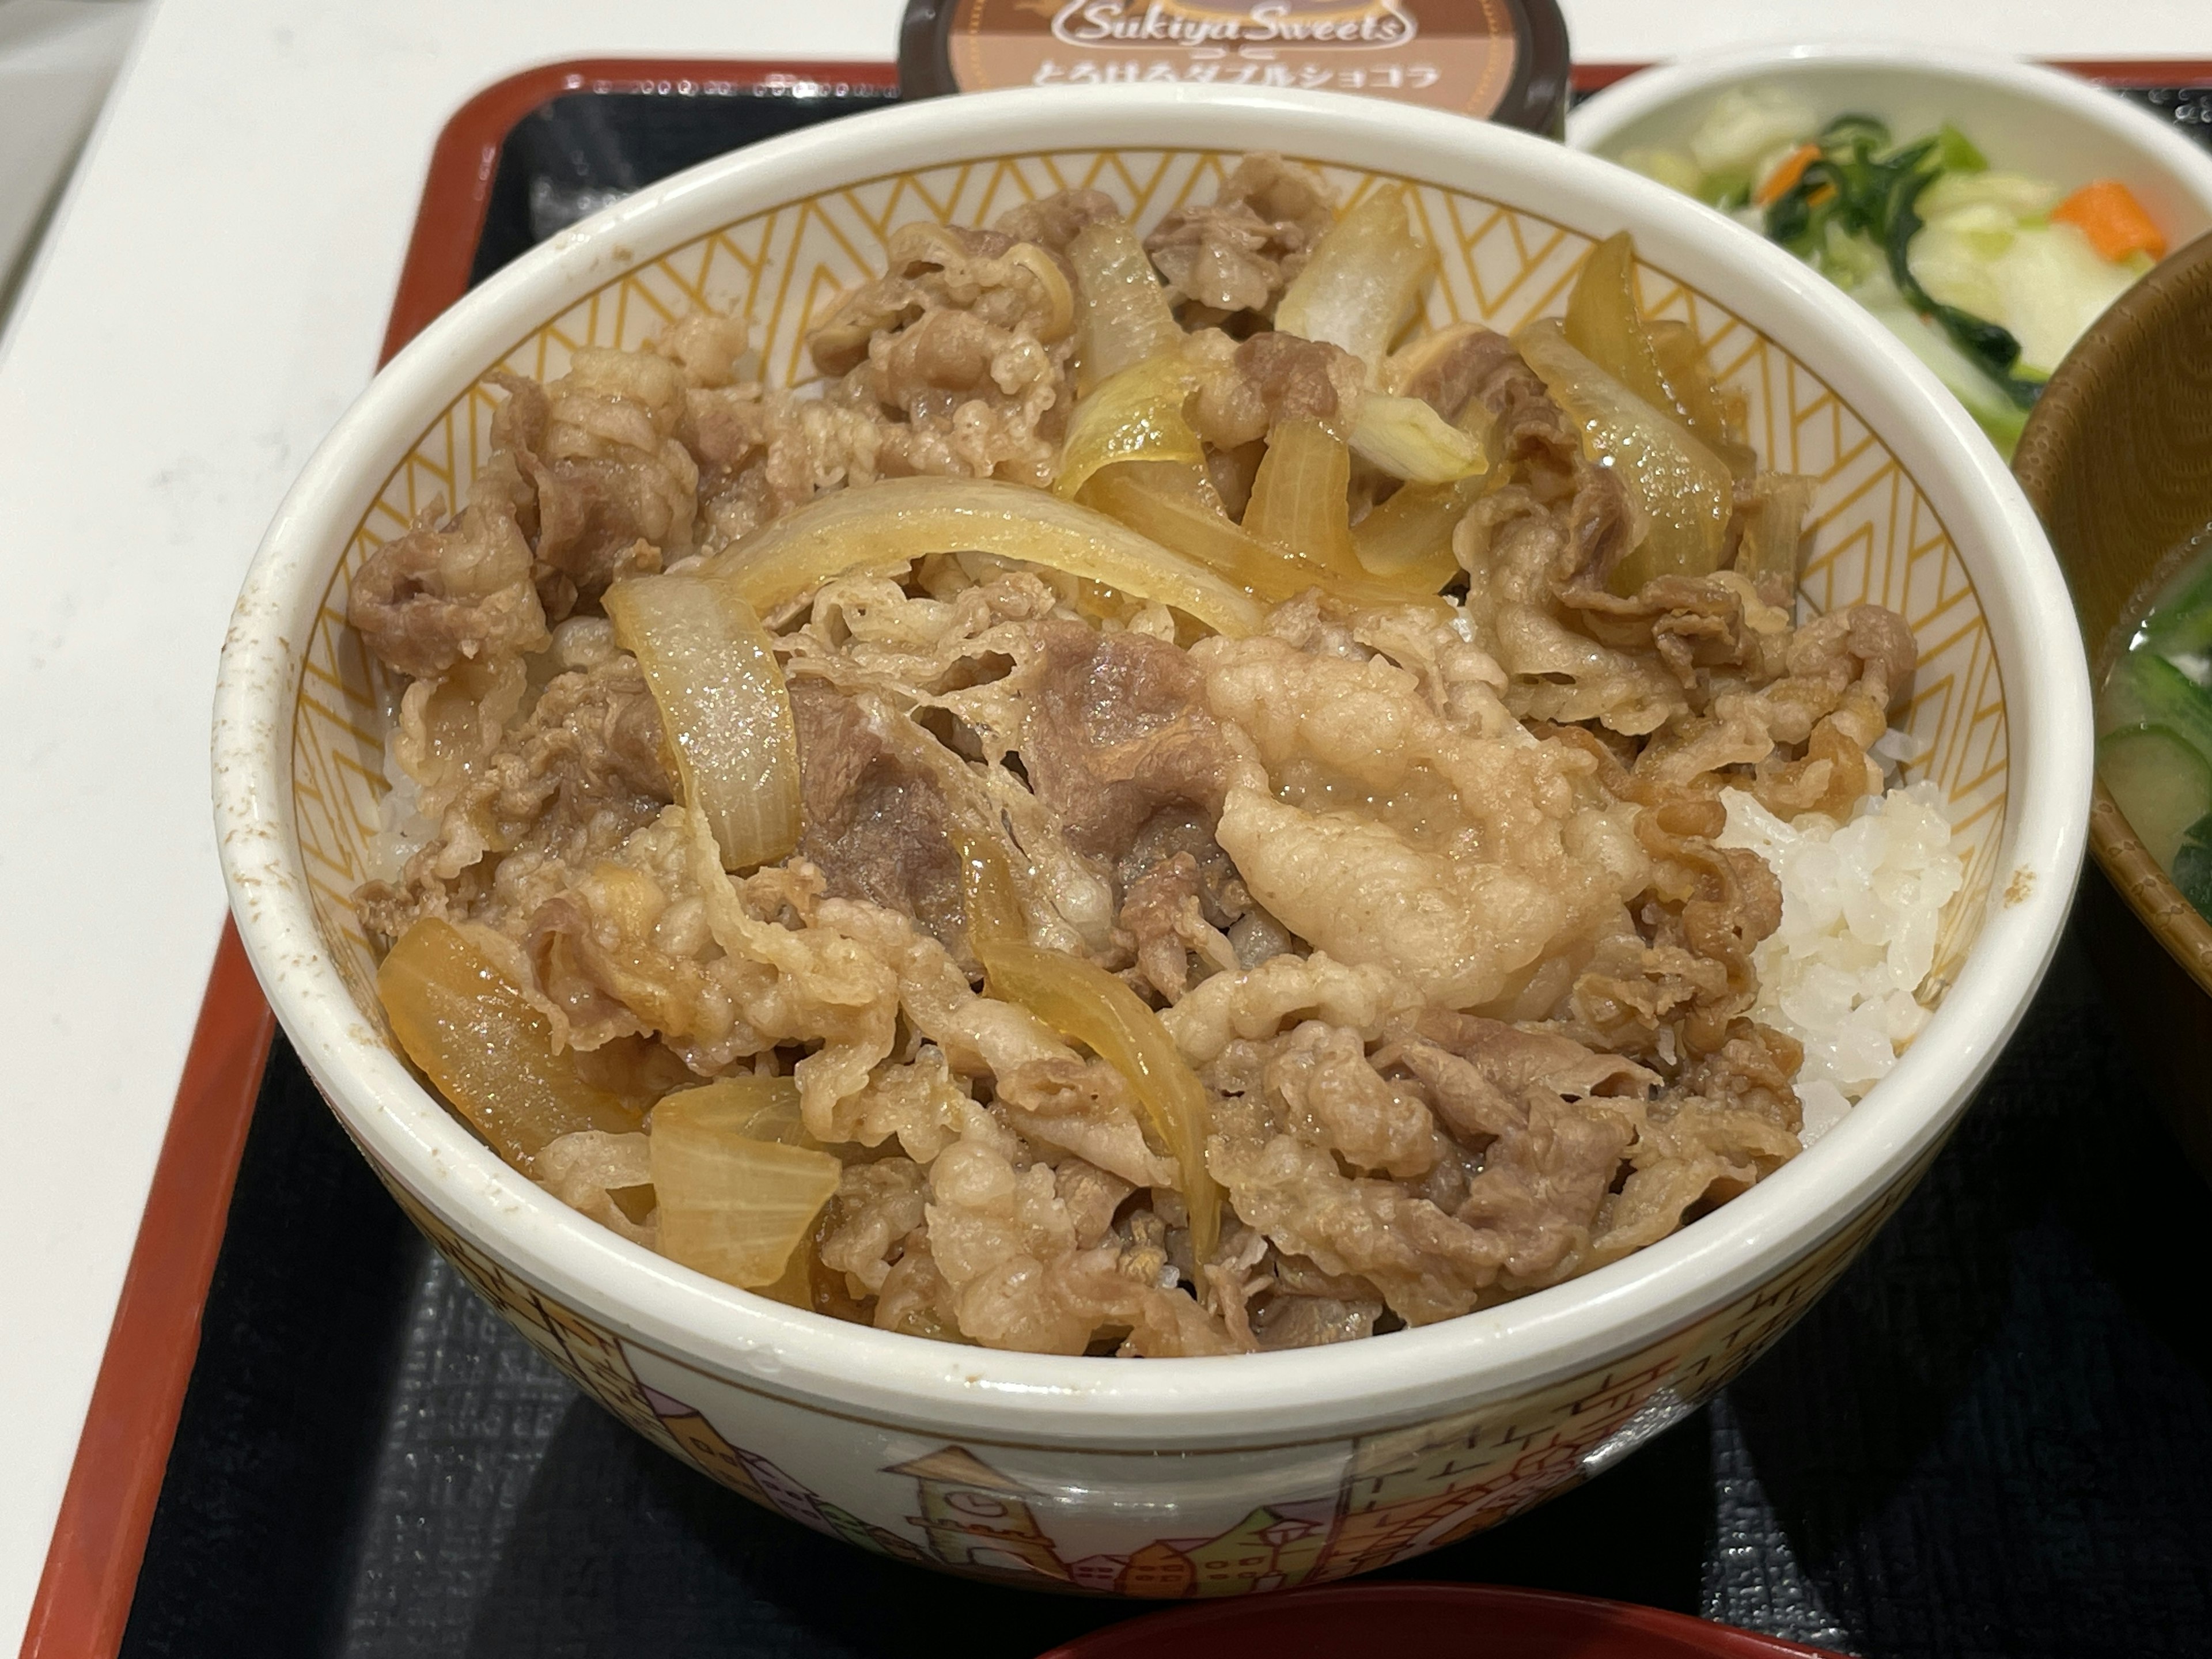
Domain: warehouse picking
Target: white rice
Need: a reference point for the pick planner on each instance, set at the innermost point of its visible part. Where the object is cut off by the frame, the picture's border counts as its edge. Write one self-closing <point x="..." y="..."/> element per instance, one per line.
<point x="401" y="830"/>
<point x="1860" y="904"/>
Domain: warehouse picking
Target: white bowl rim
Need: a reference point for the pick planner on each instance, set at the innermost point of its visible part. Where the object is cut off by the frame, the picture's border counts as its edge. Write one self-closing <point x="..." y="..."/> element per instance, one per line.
<point x="1606" y="113"/>
<point x="1311" y="1394"/>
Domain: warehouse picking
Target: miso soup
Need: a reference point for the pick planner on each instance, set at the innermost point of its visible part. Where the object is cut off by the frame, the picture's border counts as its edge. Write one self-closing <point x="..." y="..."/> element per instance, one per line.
<point x="2155" y="722"/>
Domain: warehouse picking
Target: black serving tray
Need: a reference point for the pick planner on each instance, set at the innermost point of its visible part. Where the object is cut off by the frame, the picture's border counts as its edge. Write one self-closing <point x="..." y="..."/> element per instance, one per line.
<point x="1993" y="1437"/>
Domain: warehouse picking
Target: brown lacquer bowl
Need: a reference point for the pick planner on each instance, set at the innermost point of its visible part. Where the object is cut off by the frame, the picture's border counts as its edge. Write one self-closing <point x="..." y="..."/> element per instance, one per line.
<point x="2117" y="459"/>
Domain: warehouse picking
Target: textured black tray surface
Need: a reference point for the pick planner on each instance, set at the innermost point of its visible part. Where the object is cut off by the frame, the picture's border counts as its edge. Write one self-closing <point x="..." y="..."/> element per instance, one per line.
<point x="1993" y="1438"/>
<point x="576" y="154"/>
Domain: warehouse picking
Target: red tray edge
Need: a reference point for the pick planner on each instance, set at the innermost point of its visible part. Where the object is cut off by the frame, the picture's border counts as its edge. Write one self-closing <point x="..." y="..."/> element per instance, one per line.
<point x="82" y="1603"/>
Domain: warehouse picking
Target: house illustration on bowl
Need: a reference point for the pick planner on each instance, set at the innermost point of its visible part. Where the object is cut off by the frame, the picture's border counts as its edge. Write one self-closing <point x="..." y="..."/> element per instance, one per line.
<point x="1398" y="1493"/>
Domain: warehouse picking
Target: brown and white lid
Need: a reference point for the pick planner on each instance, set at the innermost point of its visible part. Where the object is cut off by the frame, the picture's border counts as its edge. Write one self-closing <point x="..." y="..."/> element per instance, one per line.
<point x="1498" y="60"/>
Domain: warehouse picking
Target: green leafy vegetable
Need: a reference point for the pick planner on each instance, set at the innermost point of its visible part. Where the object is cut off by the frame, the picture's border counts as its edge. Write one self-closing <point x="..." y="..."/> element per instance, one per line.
<point x="1727" y="191"/>
<point x="2192" y="866"/>
<point x="2144" y="688"/>
<point x="2163" y="786"/>
<point x="1856" y="131"/>
<point x="1862" y="187"/>
<point x="2182" y="623"/>
<point x="1956" y="152"/>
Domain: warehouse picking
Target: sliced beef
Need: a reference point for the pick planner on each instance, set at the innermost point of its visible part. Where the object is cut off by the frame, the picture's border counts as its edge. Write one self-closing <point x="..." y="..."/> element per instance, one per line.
<point x="438" y="596"/>
<point x="565" y="784"/>
<point x="875" y="825"/>
<point x="1238" y="253"/>
<point x="1117" y="729"/>
<point x="591" y="464"/>
<point x="1054" y="221"/>
<point x="1245" y="387"/>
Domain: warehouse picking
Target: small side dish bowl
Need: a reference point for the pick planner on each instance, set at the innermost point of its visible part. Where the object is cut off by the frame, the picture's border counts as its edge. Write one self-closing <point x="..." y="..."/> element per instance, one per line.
<point x="2042" y="197"/>
<point x="2025" y="118"/>
<point x="2118" y="459"/>
<point x="1171" y="1477"/>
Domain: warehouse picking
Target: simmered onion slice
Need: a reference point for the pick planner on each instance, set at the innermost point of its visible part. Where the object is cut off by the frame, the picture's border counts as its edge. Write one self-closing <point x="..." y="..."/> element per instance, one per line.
<point x="723" y="704"/>
<point x="1124" y="319"/>
<point x="1084" y="1002"/>
<point x="1661" y="362"/>
<point x="1176" y="508"/>
<point x="1407" y="439"/>
<point x="1137" y="415"/>
<point x="1604" y="322"/>
<point x="895" y="522"/>
<point x="1681" y="488"/>
<point x="1408" y="539"/>
<point x="486" y="1048"/>
<point x="1298" y="495"/>
<point x="737" y="1195"/>
<point x="1364" y="280"/>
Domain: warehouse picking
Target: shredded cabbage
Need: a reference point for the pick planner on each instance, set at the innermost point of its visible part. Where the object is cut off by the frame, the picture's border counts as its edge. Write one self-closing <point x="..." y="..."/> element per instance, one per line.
<point x="1747" y="123"/>
<point x="1959" y="260"/>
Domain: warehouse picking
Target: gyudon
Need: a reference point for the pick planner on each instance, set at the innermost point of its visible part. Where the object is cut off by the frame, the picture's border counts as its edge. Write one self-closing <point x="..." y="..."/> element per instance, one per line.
<point x="1149" y="811"/>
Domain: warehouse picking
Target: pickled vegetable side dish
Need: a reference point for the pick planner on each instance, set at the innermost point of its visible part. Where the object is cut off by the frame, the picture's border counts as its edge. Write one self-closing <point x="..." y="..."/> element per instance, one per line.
<point x="1988" y="276"/>
<point x="1156" y="807"/>
<point x="2155" y="723"/>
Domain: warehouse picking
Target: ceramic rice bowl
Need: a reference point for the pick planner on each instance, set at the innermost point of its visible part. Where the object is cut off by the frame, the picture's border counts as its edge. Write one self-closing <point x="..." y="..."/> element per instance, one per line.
<point x="1182" y="1477"/>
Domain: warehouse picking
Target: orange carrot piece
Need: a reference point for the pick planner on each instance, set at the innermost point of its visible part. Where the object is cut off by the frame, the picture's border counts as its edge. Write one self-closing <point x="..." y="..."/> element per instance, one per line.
<point x="1792" y="168"/>
<point x="2108" y="213"/>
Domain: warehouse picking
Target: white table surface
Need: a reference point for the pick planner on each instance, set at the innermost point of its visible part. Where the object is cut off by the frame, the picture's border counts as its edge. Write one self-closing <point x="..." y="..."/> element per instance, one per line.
<point x="57" y="58"/>
<point x="211" y="295"/>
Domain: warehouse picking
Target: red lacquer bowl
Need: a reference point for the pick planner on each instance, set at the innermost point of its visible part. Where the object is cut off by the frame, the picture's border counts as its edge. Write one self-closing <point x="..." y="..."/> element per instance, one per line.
<point x="1417" y="1621"/>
